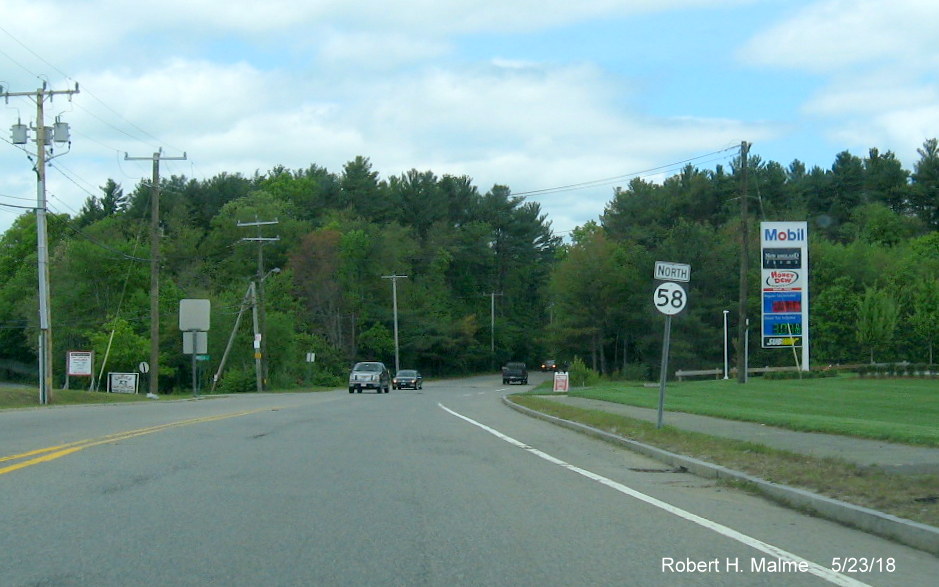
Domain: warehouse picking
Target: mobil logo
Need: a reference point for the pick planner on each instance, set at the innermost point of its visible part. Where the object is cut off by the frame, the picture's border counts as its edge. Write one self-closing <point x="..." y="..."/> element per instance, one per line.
<point x="785" y="235"/>
<point x="782" y="279"/>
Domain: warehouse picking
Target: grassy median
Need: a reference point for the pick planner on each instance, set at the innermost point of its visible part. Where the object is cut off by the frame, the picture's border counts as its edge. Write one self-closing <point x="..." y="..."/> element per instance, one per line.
<point x="897" y="410"/>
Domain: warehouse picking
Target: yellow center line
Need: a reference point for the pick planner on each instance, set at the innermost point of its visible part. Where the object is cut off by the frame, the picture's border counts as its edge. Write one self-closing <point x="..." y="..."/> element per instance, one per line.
<point x="54" y="452"/>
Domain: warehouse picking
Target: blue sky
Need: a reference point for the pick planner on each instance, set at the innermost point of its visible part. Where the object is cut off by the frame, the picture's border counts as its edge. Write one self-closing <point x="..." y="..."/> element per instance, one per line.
<point x="531" y="94"/>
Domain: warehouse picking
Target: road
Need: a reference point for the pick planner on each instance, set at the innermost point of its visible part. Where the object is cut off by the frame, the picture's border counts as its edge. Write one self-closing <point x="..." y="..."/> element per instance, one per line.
<point x="444" y="486"/>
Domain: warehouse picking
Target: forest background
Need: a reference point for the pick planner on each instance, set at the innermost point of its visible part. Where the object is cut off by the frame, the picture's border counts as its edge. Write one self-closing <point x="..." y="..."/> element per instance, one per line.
<point x="473" y="261"/>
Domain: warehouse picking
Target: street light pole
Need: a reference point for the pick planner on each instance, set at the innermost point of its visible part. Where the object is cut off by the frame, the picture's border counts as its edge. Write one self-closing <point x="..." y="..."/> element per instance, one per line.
<point x="726" y="366"/>
<point x="258" y="297"/>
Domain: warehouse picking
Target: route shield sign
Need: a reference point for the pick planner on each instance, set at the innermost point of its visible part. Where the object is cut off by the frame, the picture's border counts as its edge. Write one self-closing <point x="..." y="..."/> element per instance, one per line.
<point x="670" y="298"/>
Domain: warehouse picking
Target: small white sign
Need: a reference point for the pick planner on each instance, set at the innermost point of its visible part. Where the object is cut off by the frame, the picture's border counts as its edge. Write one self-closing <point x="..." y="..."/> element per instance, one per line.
<point x="666" y="271"/>
<point x="122" y="382"/>
<point x="195" y="343"/>
<point x="80" y="363"/>
<point x="194" y="314"/>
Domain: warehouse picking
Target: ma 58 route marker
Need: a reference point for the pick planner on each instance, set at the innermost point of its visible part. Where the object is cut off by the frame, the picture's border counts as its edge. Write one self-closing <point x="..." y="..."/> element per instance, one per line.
<point x="670" y="298"/>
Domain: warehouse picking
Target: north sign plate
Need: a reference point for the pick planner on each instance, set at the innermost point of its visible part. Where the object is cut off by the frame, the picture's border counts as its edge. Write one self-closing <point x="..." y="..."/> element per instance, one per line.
<point x="666" y="271"/>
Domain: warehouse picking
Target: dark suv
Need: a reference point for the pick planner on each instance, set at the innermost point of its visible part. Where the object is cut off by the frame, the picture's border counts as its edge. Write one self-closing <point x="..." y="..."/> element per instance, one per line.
<point x="369" y="375"/>
<point x="515" y="373"/>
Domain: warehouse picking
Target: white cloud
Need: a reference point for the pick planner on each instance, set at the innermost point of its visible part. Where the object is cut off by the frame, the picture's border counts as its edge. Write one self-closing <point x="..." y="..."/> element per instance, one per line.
<point x="832" y="35"/>
<point x="244" y="86"/>
<point x="74" y="29"/>
<point x="876" y="67"/>
<point x="375" y="50"/>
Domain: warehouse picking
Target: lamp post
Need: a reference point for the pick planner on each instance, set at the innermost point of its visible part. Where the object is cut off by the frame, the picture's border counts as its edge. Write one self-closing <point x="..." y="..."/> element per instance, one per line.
<point x="726" y="366"/>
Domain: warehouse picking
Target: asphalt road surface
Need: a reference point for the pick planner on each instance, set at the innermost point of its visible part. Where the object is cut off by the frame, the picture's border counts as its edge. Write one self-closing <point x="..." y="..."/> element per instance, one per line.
<point x="444" y="486"/>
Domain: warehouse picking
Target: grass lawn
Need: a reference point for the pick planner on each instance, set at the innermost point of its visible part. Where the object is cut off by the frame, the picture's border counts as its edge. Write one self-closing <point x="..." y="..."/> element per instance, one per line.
<point x="25" y="397"/>
<point x="897" y="410"/>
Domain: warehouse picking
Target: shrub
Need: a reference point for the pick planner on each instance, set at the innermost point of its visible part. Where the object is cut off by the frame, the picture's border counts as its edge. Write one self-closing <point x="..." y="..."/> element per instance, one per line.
<point x="637" y="372"/>
<point x="581" y="375"/>
<point x="237" y="381"/>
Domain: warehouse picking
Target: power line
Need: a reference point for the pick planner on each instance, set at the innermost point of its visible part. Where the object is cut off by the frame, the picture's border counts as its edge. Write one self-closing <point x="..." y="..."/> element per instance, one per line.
<point x="85" y="89"/>
<point x="619" y="178"/>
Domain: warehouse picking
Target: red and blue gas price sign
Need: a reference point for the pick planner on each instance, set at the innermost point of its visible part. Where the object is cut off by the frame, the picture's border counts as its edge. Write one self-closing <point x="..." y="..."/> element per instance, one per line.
<point x="784" y="277"/>
<point x="782" y="318"/>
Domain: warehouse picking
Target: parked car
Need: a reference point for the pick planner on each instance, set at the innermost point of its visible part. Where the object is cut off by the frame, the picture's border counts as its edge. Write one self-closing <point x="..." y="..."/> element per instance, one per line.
<point x="369" y="375"/>
<point x="407" y="379"/>
<point x="549" y="365"/>
<point x="515" y="373"/>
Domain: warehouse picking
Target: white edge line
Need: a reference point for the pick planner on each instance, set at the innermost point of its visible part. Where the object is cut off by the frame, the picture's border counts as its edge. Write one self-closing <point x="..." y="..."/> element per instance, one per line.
<point x="815" y="569"/>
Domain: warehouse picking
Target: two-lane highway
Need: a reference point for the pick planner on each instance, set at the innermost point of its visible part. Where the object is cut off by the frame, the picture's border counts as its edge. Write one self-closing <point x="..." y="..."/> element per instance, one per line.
<point x="435" y="487"/>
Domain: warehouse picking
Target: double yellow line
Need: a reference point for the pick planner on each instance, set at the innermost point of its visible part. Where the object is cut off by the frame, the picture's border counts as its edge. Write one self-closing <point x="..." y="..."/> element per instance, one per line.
<point x="43" y="455"/>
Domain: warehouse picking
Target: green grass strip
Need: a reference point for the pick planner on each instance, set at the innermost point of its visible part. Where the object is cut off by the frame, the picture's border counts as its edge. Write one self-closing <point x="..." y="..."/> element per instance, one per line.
<point x="914" y="497"/>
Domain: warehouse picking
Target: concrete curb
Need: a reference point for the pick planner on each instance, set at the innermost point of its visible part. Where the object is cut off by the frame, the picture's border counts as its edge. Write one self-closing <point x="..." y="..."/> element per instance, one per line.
<point x="903" y="531"/>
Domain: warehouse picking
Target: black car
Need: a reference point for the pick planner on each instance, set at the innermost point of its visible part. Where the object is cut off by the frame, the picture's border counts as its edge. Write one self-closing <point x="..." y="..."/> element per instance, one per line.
<point x="549" y="365"/>
<point x="407" y="379"/>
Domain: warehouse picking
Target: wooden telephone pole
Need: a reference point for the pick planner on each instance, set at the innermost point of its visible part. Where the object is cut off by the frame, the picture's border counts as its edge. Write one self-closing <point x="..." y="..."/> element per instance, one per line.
<point x="155" y="263"/>
<point x="260" y="320"/>
<point x="744" y="265"/>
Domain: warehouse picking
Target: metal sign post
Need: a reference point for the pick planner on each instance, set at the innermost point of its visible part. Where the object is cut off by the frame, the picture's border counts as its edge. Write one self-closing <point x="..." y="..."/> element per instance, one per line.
<point x="670" y="298"/>
<point x="663" y="373"/>
<point x="194" y="319"/>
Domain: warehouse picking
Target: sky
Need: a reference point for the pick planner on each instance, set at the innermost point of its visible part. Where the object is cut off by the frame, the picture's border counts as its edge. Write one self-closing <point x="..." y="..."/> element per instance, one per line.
<point x="531" y="94"/>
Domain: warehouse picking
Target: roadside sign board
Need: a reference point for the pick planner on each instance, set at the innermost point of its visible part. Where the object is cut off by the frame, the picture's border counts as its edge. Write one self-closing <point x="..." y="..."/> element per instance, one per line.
<point x="122" y="382"/>
<point x="195" y="342"/>
<point x="669" y="298"/>
<point x="666" y="271"/>
<point x="80" y="363"/>
<point x="194" y="314"/>
<point x="784" y="285"/>
<point x="561" y="382"/>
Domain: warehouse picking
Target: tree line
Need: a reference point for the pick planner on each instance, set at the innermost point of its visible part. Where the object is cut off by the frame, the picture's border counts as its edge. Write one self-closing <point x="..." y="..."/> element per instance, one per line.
<point x="487" y="281"/>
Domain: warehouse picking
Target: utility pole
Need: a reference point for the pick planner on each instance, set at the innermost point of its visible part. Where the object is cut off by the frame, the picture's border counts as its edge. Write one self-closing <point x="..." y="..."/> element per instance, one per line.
<point x="492" y="326"/>
<point x="260" y="353"/>
<point x="45" y="136"/>
<point x="155" y="264"/>
<point x="258" y="367"/>
<point x="394" y="301"/>
<point x="744" y="264"/>
<point x="492" y="321"/>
